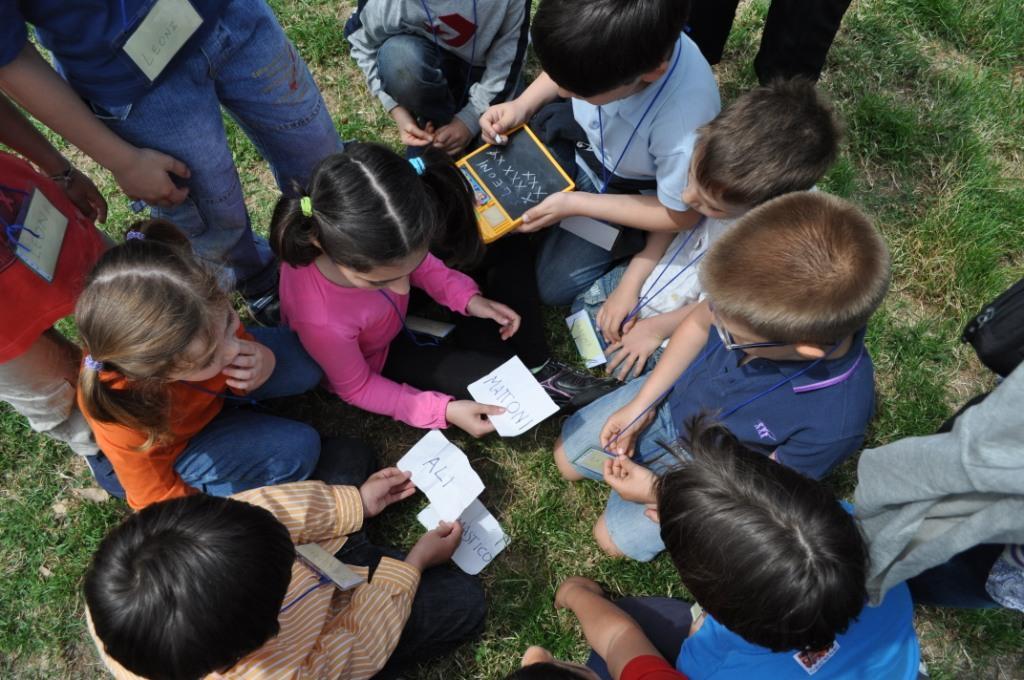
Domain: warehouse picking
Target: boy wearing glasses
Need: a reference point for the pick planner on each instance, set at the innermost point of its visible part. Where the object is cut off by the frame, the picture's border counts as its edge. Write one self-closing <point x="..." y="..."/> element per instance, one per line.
<point x="775" y="353"/>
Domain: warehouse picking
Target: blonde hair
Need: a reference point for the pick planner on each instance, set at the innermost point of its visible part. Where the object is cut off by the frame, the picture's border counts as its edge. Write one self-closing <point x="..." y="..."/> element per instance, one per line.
<point x="804" y="267"/>
<point x="143" y="305"/>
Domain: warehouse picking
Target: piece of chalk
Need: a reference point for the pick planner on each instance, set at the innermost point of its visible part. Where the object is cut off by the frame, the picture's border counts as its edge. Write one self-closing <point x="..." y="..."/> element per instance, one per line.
<point x="499" y="139"/>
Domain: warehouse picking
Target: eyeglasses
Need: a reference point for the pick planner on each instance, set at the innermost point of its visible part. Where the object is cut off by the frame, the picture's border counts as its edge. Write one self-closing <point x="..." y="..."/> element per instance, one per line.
<point x="731" y="345"/>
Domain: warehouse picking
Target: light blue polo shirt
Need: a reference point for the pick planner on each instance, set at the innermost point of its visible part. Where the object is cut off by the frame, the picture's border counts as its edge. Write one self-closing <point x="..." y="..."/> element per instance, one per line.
<point x="812" y="421"/>
<point x="664" y="140"/>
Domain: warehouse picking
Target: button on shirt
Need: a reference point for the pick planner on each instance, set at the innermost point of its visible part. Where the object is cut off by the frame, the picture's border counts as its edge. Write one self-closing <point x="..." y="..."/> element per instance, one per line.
<point x="664" y="140"/>
<point x="811" y="423"/>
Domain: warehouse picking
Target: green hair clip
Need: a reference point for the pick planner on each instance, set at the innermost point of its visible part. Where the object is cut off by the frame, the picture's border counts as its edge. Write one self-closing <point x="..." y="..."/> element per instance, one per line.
<point x="307" y="206"/>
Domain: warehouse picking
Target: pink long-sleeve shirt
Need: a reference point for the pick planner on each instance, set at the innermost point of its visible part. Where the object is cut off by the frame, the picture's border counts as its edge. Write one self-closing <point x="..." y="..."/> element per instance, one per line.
<point x="348" y="332"/>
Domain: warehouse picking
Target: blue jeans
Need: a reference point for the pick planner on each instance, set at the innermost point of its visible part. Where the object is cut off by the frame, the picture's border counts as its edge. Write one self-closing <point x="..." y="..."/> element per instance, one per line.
<point x="247" y="65"/>
<point x="664" y="620"/>
<point x="432" y="83"/>
<point x="632" y="532"/>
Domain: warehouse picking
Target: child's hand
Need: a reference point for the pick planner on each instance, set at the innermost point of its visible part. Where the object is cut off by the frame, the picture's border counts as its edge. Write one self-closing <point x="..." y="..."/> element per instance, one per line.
<point x="482" y="308"/>
<point x="86" y="197"/>
<point x="453" y="137"/>
<point x="633" y="350"/>
<point x="635" y="483"/>
<point x="436" y="546"/>
<point x="500" y="119"/>
<point x="251" y="367"/>
<point x="409" y="132"/>
<point x="552" y="209"/>
<point x="146" y="175"/>
<point x="613" y="312"/>
<point x="383" y="488"/>
<point x="573" y="585"/>
<point x="471" y="417"/>
<point x="615" y="429"/>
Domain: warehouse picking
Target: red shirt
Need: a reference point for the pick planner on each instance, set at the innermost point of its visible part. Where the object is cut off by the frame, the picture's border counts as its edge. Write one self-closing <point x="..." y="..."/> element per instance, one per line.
<point x="30" y="304"/>
<point x="650" y="668"/>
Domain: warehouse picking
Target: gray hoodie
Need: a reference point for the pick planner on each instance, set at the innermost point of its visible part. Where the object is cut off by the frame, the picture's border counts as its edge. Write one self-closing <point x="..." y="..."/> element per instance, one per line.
<point x="922" y="500"/>
<point x="501" y="39"/>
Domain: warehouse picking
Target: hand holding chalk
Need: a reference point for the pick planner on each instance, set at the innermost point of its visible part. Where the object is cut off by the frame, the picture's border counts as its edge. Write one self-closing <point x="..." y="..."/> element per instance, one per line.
<point x="498" y="120"/>
<point x="498" y="139"/>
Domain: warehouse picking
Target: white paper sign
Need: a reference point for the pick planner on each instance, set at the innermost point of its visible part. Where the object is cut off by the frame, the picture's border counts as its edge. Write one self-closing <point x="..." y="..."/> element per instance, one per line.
<point x="442" y="472"/>
<point x="482" y="536"/>
<point x="601" y="234"/>
<point x="166" y="28"/>
<point x="585" y="336"/>
<point x="512" y="386"/>
<point x="42" y="236"/>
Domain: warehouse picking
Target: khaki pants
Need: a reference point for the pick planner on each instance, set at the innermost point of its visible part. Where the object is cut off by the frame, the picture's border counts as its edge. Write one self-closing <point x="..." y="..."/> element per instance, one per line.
<point x="40" y="385"/>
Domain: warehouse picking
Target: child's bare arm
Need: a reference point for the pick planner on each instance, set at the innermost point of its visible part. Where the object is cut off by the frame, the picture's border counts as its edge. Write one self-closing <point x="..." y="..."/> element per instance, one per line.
<point x="623" y="299"/>
<point x="611" y="632"/>
<point x="630" y="210"/>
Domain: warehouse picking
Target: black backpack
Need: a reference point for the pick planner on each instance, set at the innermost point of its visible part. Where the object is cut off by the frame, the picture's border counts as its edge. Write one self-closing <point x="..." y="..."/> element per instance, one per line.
<point x="997" y="332"/>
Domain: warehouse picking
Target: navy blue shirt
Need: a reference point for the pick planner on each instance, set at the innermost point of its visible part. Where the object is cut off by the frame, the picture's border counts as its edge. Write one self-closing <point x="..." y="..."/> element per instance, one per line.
<point x="812" y="422"/>
<point x="86" y="37"/>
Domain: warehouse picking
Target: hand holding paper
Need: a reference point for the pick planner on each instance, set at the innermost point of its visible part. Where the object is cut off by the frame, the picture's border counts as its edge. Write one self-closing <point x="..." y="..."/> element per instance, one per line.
<point x="482" y="536"/>
<point x="514" y="388"/>
<point x="442" y="472"/>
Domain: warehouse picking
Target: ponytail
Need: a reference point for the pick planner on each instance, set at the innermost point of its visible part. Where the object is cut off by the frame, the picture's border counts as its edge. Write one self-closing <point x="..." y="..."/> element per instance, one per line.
<point x="457" y="240"/>
<point x="292" y="233"/>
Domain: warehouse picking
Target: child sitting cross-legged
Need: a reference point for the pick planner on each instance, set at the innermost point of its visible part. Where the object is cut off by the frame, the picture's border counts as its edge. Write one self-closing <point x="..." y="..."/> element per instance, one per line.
<point x="772" y="140"/>
<point x="776" y="351"/>
<point x="202" y="586"/>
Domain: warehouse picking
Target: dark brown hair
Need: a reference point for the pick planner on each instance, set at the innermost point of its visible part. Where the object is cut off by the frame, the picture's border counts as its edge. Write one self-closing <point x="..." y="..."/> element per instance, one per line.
<point x="804" y="267"/>
<point x="772" y="140"/>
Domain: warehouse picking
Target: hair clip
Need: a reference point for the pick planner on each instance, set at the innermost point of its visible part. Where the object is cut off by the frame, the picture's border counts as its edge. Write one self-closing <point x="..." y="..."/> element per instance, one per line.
<point x="306" y="203"/>
<point x="418" y="165"/>
<point x="134" y="236"/>
<point x="92" y="364"/>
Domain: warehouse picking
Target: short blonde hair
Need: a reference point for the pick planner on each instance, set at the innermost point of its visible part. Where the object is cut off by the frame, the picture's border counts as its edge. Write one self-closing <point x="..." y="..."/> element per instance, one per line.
<point x="804" y="267"/>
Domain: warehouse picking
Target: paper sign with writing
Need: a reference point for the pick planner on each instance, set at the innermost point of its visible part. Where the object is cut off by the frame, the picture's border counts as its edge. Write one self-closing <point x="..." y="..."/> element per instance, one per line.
<point x="41" y="236"/>
<point x="585" y="336"/>
<point x="482" y="536"/>
<point x="512" y="386"/>
<point x="165" y="30"/>
<point x="442" y="472"/>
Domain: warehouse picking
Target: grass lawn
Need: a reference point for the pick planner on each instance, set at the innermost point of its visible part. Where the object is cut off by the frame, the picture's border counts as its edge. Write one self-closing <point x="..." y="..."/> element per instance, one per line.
<point x="932" y="95"/>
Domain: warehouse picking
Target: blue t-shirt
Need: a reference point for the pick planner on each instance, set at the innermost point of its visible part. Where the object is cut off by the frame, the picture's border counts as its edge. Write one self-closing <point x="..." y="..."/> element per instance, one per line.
<point x="880" y="643"/>
<point x="811" y="423"/>
<point x="86" y="37"/>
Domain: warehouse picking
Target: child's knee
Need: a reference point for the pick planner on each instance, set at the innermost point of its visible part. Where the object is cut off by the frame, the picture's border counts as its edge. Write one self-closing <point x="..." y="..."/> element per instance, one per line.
<point x="604" y="539"/>
<point x="303" y="454"/>
<point x="567" y="469"/>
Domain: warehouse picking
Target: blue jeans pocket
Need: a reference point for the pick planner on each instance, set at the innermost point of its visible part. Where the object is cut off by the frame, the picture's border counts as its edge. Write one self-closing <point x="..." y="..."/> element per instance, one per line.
<point x="104" y="112"/>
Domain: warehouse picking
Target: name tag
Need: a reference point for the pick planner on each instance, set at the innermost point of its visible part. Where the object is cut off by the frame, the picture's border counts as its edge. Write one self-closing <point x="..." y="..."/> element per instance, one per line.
<point x="42" y="235"/>
<point x="601" y="234"/>
<point x="585" y="337"/>
<point x="167" y="27"/>
<point x="326" y="564"/>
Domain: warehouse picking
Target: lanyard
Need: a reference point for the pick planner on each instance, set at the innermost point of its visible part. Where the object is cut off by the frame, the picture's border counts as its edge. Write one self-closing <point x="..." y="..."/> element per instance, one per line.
<point x="428" y="342"/>
<point x="646" y="298"/>
<point x="13" y="230"/>
<point x="324" y="580"/>
<point x="222" y="395"/>
<point x="437" y="46"/>
<point x="606" y="176"/>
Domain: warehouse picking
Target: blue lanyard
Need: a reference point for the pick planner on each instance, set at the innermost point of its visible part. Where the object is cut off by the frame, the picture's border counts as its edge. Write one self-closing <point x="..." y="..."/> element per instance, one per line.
<point x="437" y="46"/>
<point x="324" y="580"/>
<point x="429" y="342"/>
<point x="607" y="176"/>
<point x="13" y="230"/>
<point x="222" y="395"/>
<point x="646" y="298"/>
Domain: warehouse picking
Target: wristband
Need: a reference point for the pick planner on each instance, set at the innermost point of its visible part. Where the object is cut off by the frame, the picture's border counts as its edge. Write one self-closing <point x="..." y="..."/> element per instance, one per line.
<point x="65" y="177"/>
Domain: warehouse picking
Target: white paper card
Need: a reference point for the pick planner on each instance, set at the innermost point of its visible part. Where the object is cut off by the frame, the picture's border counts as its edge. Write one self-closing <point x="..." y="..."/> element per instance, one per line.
<point x="601" y="234"/>
<point x="42" y="235"/>
<point x="436" y="329"/>
<point x="442" y="471"/>
<point x="583" y="333"/>
<point x="482" y="536"/>
<point x="166" y="28"/>
<point x="512" y="386"/>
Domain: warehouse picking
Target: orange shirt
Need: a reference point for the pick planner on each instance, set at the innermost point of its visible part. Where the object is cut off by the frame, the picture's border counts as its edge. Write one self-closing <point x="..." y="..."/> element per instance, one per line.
<point x="148" y="475"/>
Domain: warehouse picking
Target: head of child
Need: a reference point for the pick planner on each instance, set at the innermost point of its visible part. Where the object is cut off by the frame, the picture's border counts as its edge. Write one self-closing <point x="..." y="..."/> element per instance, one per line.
<point x="539" y="664"/>
<point x="189" y="586"/>
<point x="372" y="215"/>
<point x="769" y="553"/>
<point x="773" y="140"/>
<point x="796" y="277"/>
<point x="152" y="313"/>
<point x="632" y="40"/>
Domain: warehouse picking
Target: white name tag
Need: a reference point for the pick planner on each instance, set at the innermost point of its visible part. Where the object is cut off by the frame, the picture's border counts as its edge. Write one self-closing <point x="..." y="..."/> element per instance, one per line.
<point x="167" y="27"/>
<point x="601" y="234"/>
<point x="42" y="235"/>
<point x="326" y="564"/>
<point x="583" y="334"/>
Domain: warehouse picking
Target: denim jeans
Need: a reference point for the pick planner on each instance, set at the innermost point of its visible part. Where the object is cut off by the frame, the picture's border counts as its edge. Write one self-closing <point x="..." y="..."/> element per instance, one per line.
<point x="432" y="83"/>
<point x="247" y="65"/>
<point x="665" y="622"/>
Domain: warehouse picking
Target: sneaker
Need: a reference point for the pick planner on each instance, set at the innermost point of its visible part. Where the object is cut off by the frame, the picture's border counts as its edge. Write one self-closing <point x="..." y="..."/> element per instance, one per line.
<point x="266" y="309"/>
<point x="572" y="389"/>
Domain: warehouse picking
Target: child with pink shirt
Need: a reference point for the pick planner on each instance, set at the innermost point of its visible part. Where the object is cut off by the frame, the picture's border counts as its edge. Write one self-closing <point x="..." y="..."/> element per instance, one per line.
<point x="352" y="247"/>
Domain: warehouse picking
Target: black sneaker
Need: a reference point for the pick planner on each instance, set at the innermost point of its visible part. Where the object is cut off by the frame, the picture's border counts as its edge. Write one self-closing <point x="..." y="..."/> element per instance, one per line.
<point x="266" y="309"/>
<point x="572" y="389"/>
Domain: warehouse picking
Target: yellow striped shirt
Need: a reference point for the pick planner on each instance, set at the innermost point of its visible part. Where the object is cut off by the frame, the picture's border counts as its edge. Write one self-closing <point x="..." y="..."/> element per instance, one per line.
<point x="329" y="633"/>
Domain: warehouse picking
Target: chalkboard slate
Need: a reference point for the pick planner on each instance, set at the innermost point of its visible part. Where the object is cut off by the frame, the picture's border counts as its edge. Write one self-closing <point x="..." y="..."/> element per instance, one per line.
<point x="519" y="174"/>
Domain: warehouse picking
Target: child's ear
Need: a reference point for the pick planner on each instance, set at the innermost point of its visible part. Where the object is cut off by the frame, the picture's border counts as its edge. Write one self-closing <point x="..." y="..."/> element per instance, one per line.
<point x="655" y="73"/>
<point x="809" y="350"/>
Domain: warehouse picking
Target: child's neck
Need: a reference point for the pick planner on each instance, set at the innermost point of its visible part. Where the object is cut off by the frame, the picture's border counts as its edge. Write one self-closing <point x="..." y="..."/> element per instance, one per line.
<point x="331" y="272"/>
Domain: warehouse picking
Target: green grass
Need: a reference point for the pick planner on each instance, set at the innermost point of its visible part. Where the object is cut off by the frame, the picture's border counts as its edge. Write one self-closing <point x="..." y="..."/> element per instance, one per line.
<point x="932" y="95"/>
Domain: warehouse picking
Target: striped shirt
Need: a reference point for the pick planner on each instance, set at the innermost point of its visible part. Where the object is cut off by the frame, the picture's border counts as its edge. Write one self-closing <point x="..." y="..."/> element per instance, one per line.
<point x="329" y="633"/>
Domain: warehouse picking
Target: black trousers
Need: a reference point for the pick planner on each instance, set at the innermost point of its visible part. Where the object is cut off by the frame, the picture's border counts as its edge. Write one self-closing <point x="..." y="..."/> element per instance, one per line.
<point x="796" y="39"/>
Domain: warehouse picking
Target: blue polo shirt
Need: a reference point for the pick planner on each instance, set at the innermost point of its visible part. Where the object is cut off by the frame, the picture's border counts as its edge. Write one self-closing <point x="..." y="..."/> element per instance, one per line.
<point x="880" y="643"/>
<point x="812" y="421"/>
<point x="664" y="139"/>
<point x="86" y="37"/>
